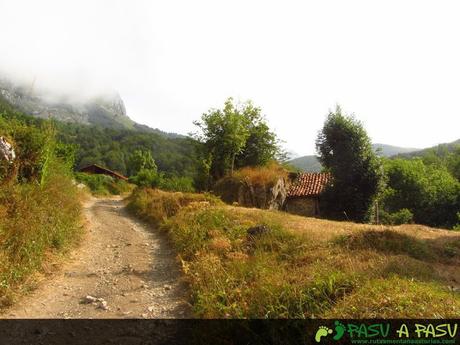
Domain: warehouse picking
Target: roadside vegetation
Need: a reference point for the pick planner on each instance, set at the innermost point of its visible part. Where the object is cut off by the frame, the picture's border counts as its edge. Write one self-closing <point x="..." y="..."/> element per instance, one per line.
<point x="296" y="267"/>
<point x="39" y="202"/>
<point x="101" y="185"/>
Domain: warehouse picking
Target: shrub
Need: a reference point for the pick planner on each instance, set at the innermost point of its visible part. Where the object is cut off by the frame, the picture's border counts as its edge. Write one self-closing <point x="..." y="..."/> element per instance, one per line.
<point x="103" y="184"/>
<point x="156" y="206"/>
<point x="146" y="178"/>
<point x="39" y="203"/>
<point x="37" y="219"/>
<point x="431" y="193"/>
<point x="177" y="184"/>
<point x="403" y="216"/>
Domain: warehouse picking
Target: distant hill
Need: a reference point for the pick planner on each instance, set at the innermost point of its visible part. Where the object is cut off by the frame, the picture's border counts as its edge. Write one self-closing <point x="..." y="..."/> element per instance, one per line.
<point x="385" y="150"/>
<point x="311" y="163"/>
<point x="438" y="149"/>
<point x="306" y="163"/>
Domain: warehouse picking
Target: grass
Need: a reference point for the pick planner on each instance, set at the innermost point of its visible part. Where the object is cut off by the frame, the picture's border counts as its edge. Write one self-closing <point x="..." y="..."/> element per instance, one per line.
<point x="304" y="267"/>
<point x="157" y="206"/>
<point x="261" y="175"/>
<point x="35" y="222"/>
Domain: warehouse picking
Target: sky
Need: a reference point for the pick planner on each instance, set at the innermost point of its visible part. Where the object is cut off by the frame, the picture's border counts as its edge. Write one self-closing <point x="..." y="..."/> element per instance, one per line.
<point x="395" y="65"/>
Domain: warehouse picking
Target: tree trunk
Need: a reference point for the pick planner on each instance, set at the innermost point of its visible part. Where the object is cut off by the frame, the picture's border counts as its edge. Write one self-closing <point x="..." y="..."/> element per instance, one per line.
<point x="233" y="164"/>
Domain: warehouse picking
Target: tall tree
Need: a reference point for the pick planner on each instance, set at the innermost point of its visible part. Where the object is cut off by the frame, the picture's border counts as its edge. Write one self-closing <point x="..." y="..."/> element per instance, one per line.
<point x="345" y="150"/>
<point x="235" y="136"/>
<point x="262" y="145"/>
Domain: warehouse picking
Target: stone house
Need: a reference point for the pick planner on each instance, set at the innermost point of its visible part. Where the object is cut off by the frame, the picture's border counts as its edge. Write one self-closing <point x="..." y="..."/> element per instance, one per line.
<point x="303" y="196"/>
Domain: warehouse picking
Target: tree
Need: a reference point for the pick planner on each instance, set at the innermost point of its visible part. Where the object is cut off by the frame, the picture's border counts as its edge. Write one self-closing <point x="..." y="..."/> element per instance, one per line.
<point x="262" y="145"/>
<point x="430" y="192"/>
<point x="345" y="151"/>
<point x="234" y="136"/>
<point x="141" y="160"/>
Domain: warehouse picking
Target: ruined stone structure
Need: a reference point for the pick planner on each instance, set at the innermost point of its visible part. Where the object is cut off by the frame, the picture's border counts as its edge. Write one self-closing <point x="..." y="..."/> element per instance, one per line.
<point x="303" y="197"/>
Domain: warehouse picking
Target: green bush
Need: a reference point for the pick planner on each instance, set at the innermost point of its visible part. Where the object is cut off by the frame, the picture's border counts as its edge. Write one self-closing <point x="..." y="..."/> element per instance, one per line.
<point x="457" y="227"/>
<point x="103" y="184"/>
<point x="403" y="216"/>
<point x="177" y="184"/>
<point x="430" y="192"/>
<point x="150" y="178"/>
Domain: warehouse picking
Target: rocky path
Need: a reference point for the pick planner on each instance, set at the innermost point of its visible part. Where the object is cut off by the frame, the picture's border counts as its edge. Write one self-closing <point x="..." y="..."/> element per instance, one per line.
<point x="121" y="270"/>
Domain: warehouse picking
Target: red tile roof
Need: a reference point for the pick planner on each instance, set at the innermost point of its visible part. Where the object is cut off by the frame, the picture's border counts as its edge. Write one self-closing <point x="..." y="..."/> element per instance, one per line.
<point x="308" y="184"/>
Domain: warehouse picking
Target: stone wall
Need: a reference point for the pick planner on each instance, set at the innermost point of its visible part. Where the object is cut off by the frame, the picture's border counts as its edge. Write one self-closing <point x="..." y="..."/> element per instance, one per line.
<point x="232" y="190"/>
<point x="307" y="206"/>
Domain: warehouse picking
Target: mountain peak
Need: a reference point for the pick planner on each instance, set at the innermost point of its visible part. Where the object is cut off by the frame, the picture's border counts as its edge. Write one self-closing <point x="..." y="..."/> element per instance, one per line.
<point x="107" y="110"/>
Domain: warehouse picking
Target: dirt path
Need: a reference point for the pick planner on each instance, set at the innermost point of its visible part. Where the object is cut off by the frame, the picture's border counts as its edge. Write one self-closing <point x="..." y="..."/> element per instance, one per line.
<point x="125" y="270"/>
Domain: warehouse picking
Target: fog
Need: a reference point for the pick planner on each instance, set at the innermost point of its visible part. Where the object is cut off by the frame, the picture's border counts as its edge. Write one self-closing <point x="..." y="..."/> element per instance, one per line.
<point x="394" y="64"/>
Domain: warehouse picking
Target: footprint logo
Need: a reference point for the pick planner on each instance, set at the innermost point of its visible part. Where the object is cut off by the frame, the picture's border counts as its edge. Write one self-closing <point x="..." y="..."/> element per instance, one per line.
<point x="322" y="331"/>
<point x="339" y="330"/>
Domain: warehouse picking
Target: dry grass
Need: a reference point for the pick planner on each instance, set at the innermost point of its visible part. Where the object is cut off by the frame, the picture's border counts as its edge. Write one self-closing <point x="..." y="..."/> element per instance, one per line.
<point x="156" y="206"/>
<point x="261" y="176"/>
<point x="37" y="222"/>
<point x="306" y="267"/>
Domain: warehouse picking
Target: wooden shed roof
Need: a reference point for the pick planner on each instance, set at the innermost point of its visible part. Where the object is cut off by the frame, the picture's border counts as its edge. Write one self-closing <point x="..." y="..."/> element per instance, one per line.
<point x="97" y="169"/>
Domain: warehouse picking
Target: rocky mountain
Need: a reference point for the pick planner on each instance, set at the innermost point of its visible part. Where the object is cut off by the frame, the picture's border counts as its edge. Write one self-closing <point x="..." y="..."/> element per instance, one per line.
<point x="311" y="163"/>
<point x="107" y="111"/>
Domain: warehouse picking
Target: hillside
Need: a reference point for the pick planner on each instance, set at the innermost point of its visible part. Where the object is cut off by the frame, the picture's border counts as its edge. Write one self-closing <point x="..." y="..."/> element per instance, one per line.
<point x="306" y="163"/>
<point x="311" y="163"/>
<point x="108" y="111"/>
<point x="385" y="150"/>
<point x="252" y="263"/>
<point x="440" y="149"/>
<point x="112" y="147"/>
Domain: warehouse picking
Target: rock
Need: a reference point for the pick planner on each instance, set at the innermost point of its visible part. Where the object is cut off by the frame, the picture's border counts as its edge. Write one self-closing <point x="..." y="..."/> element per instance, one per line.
<point x="167" y="287"/>
<point x="103" y="305"/>
<point x="6" y="151"/>
<point x="89" y="299"/>
<point x="151" y="309"/>
<point x="258" y="230"/>
<point x="108" y="109"/>
<point x="233" y="190"/>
